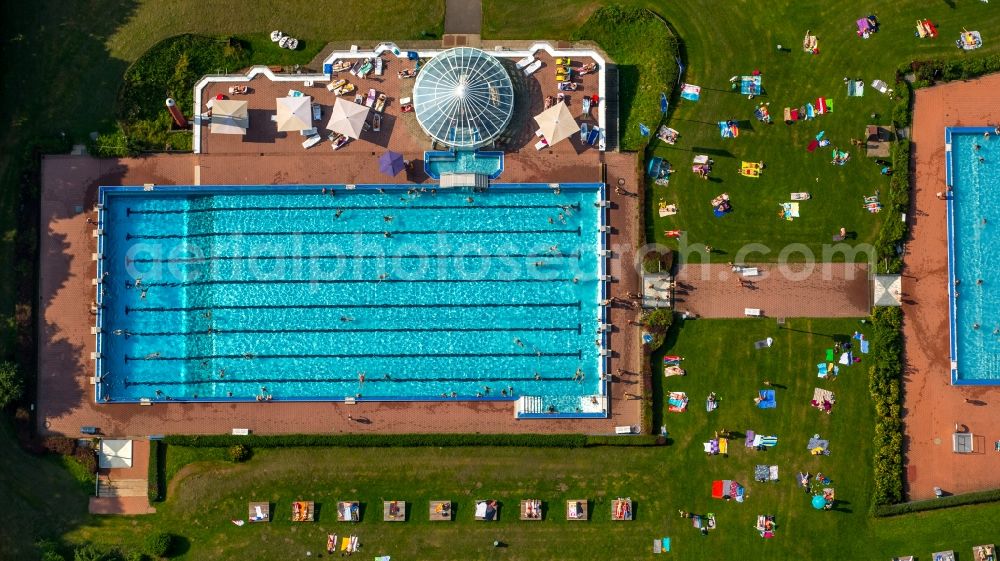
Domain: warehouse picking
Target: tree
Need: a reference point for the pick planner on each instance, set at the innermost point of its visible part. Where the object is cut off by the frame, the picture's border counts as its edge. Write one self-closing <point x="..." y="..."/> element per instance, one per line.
<point x="11" y="384"/>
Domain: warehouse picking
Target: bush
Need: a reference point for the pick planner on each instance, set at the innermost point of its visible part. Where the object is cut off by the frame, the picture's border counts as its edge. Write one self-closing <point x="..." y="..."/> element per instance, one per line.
<point x="993" y="495"/>
<point x="633" y="440"/>
<point x="135" y="556"/>
<point x="884" y="386"/>
<point x="90" y="552"/>
<point x="61" y="445"/>
<point x="154" y="477"/>
<point x="87" y="457"/>
<point x="659" y="320"/>
<point x="11" y="384"/>
<point x="158" y="544"/>
<point x="238" y="453"/>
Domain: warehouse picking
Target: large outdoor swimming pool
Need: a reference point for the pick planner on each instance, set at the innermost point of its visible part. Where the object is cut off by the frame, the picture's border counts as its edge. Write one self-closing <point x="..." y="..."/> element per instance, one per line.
<point x="974" y="248"/>
<point x="290" y="293"/>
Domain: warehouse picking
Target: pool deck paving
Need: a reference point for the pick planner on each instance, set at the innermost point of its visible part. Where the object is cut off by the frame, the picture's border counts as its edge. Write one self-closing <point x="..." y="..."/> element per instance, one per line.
<point x="792" y="290"/>
<point x="65" y="400"/>
<point x="932" y="406"/>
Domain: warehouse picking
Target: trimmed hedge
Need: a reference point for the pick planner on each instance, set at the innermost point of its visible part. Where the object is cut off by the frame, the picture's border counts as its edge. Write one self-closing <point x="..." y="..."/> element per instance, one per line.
<point x="993" y="495"/>
<point x="157" y="456"/>
<point x="632" y="440"/>
<point x="884" y="385"/>
<point x="406" y="440"/>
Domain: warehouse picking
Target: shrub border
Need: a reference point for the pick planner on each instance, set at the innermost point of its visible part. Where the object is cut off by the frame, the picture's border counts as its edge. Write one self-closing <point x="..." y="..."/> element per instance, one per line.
<point x="155" y="474"/>
<point x="978" y="497"/>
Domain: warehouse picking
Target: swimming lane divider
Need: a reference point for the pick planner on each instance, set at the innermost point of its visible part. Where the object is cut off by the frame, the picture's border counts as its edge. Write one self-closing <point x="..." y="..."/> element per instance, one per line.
<point x="576" y="305"/>
<point x="374" y="380"/>
<point x="127" y="358"/>
<point x="346" y="233"/>
<point x="195" y="260"/>
<point x="132" y="212"/>
<point x="357" y="330"/>
<point x="345" y="281"/>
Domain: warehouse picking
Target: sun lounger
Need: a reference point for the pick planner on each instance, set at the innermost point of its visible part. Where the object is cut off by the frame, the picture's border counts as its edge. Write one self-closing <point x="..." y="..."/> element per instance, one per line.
<point x="531" y="509"/>
<point x="532" y="68"/>
<point x="486" y="510"/>
<point x="801" y="196"/>
<point x="621" y="509"/>
<point x="440" y="510"/>
<point x="302" y="511"/>
<point x="750" y="272"/>
<point x="393" y="511"/>
<point x="594" y="136"/>
<point x="311" y="141"/>
<point x="576" y="509"/>
<point x="259" y="512"/>
<point x="541" y="144"/>
<point x="525" y="62"/>
<point x="348" y="511"/>
<point x="753" y="312"/>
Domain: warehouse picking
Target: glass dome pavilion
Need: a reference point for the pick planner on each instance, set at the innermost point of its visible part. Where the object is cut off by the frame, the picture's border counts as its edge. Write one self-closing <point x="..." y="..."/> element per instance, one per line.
<point x="464" y="98"/>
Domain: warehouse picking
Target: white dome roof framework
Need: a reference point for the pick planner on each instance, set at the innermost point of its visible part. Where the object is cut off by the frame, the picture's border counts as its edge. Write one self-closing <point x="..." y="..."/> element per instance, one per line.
<point x="463" y="98"/>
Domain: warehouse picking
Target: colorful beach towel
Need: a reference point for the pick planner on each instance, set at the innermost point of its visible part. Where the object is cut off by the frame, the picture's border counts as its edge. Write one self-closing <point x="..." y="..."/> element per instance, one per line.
<point x="691" y="92"/>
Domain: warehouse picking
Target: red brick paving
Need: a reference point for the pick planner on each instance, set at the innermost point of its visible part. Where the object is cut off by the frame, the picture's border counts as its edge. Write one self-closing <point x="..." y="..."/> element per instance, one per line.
<point x="932" y="406"/>
<point x="65" y="401"/>
<point x="826" y="290"/>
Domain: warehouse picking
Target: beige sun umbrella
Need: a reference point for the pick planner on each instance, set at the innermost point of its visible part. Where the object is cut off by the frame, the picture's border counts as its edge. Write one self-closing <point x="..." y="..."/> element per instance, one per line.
<point x="294" y="113"/>
<point x="229" y="116"/>
<point x="557" y="123"/>
<point x="348" y="118"/>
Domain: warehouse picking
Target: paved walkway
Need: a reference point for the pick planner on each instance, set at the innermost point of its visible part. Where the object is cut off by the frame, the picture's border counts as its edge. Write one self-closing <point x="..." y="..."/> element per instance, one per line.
<point x="463" y="16"/>
<point x="931" y="405"/>
<point x="825" y="290"/>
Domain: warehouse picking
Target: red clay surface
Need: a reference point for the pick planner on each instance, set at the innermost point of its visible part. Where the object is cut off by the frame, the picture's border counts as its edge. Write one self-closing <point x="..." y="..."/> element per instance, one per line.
<point x="65" y="400"/>
<point x="932" y="407"/>
<point x="793" y="290"/>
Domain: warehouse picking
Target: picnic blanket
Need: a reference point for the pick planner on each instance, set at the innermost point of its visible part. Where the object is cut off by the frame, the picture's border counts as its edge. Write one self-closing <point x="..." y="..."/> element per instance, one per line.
<point x="711" y="404"/>
<point x="767" y="400"/>
<point x="728" y="129"/>
<point x="864" y="346"/>
<point x="763" y="343"/>
<point x="765" y="441"/>
<point x="749" y="440"/>
<point x="690" y="92"/>
<point x="711" y="447"/>
<point x="750" y="85"/>
<point x="827" y="369"/>
<point x="846" y="358"/>
<point x="678" y="402"/>
<point x="789" y="211"/>
<point x="765" y="473"/>
<point x="823" y="446"/>
<point x="855" y="88"/>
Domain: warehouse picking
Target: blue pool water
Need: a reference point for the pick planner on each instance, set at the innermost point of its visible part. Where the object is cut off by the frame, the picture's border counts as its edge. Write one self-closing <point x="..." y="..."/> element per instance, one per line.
<point x="245" y="292"/>
<point x="975" y="250"/>
<point x="463" y="161"/>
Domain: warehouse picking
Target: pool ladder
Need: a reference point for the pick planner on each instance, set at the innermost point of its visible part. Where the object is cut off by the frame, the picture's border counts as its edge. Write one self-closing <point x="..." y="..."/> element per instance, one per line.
<point x="529" y="404"/>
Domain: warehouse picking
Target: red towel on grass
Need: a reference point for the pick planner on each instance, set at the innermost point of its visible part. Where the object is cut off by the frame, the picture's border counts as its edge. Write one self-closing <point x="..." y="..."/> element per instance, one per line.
<point x="813" y="145"/>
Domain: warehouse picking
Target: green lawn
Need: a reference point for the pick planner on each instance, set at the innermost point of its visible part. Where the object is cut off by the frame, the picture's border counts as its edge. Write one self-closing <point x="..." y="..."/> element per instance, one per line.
<point x="738" y="38"/>
<point x="205" y="493"/>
